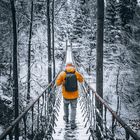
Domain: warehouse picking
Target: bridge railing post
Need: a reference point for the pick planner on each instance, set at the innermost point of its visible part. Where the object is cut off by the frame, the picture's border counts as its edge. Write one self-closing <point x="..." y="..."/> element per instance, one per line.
<point x="38" y="116"/>
<point x="105" y="112"/>
<point x="127" y="136"/>
<point x="99" y="119"/>
<point x="94" y="110"/>
<point x="113" y="126"/>
<point x="25" y="127"/>
<point x="32" y="110"/>
<point x="10" y="136"/>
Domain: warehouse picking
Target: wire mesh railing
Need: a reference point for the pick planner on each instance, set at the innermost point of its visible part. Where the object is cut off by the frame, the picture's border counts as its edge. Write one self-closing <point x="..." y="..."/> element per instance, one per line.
<point x="90" y="111"/>
<point x="53" y="117"/>
<point x="37" y="121"/>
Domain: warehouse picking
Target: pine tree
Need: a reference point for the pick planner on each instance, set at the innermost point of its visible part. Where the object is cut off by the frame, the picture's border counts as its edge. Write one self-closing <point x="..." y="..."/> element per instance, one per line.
<point x="78" y="22"/>
<point x="15" y="67"/>
<point x="111" y="12"/>
<point x="127" y="10"/>
<point x="77" y="27"/>
<point x="111" y="19"/>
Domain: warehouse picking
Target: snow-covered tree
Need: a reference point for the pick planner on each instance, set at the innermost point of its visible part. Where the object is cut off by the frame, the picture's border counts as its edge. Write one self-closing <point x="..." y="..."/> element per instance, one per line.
<point x="127" y="10"/>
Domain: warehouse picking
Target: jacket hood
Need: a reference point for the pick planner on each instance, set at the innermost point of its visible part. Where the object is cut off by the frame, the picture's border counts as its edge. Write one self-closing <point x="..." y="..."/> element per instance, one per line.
<point x="70" y="69"/>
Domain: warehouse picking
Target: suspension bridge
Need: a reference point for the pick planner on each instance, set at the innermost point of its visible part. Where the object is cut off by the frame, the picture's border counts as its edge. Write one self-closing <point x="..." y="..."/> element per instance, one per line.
<point x="43" y="118"/>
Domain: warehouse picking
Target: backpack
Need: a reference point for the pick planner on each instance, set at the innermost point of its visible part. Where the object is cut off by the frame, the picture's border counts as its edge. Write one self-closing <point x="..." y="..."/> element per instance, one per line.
<point x="70" y="82"/>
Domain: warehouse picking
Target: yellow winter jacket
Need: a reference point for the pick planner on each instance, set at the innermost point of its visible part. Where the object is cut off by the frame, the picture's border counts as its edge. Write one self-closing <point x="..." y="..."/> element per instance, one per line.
<point x="61" y="79"/>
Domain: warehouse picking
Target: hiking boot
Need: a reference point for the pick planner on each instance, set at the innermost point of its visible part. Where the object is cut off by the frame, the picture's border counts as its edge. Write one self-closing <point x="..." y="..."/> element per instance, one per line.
<point x="73" y="125"/>
<point x="66" y="119"/>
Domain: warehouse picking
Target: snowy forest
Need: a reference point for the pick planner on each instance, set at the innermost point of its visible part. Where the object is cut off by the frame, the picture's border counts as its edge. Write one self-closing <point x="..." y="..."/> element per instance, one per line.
<point x="42" y="30"/>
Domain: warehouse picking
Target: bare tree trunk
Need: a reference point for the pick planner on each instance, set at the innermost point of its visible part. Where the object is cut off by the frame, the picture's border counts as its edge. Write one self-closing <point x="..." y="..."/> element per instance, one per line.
<point x="29" y="54"/>
<point x="99" y="60"/>
<point x="49" y="43"/>
<point x="53" y="39"/>
<point x="15" y="69"/>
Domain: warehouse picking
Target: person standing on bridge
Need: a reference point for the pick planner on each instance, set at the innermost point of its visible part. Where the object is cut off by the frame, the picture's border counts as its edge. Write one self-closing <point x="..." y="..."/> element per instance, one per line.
<point x="68" y="79"/>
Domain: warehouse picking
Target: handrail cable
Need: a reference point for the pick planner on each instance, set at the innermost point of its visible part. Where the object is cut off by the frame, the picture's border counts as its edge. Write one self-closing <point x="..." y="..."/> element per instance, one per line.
<point x="129" y="131"/>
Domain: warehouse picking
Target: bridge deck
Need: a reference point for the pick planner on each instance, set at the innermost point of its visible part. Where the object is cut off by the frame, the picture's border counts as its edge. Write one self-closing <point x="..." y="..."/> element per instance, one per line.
<point x="63" y="130"/>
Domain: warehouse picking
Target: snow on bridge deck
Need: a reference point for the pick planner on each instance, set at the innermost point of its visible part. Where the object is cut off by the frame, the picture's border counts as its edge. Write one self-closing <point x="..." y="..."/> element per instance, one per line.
<point x="63" y="130"/>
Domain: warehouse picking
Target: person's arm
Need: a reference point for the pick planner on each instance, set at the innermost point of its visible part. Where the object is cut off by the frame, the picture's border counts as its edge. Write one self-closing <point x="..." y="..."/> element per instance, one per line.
<point x="60" y="79"/>
<point x="79" y="77"/>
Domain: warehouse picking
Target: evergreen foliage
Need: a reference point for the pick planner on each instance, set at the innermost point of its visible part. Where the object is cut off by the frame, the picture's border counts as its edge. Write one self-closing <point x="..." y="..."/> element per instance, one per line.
<point x="120" y="29"/>
<point x="111" y="11"/>
<point x="127" y="10"/>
